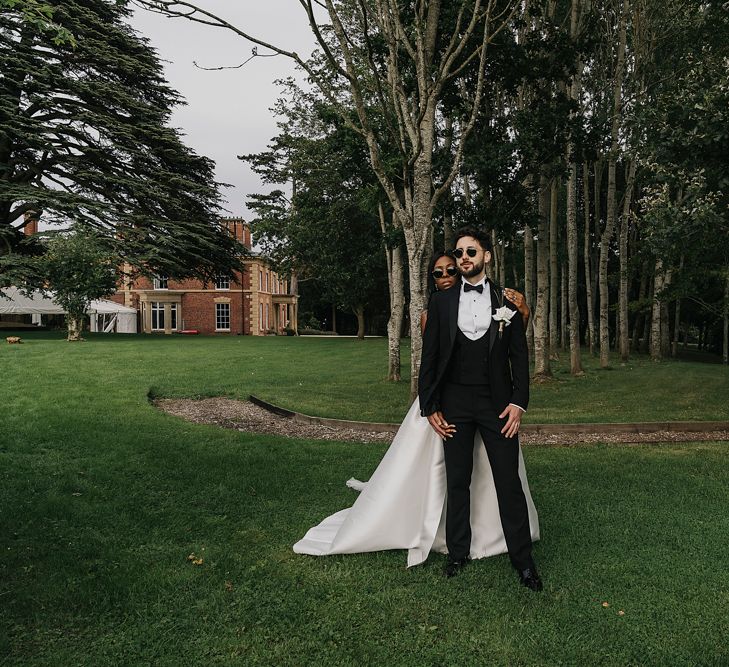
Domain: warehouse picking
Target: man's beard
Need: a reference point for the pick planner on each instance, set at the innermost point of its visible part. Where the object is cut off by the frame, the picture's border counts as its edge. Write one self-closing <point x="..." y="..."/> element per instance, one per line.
<point x="473" y="271"/>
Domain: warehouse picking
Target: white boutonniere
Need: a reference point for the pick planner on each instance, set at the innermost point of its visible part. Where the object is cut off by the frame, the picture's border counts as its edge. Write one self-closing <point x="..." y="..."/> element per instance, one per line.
<point x="503" y="316"/>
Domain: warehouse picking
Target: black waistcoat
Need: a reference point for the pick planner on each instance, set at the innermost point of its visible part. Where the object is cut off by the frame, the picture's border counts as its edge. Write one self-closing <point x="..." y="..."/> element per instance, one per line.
<point x="469" y="362"/>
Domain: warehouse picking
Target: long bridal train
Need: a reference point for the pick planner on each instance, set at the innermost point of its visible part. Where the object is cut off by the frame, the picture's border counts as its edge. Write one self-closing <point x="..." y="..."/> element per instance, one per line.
<point x="403" y="504"/>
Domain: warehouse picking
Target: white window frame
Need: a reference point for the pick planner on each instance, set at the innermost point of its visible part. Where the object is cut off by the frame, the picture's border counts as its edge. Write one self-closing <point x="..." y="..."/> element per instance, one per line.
<point x="222" y="283"/>
<point x="158" y="308"/>
<point x="219" y="317"/>
<point x="160" y="282"/>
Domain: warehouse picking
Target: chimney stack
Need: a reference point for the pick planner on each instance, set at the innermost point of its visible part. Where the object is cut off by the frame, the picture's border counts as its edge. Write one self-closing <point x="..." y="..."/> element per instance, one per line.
<point x="31" y="223"/>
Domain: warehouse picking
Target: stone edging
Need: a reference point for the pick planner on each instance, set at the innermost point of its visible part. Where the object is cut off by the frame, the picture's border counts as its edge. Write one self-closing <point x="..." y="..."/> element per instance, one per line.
<point x="381" y="427"/>
<point x="371" y="427"/>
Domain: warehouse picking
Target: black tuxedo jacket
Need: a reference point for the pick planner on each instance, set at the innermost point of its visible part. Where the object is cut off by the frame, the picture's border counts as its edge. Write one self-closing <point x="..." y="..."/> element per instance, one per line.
<point x="508" y="355"/>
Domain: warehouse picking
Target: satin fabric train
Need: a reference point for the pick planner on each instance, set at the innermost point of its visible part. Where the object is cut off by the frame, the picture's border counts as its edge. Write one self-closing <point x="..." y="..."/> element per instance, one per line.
<point x="403" y="504"/>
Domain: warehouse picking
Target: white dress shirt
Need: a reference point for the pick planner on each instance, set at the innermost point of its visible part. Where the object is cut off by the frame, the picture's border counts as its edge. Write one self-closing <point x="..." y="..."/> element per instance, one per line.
<point x="474" y="310"/>
<point x="474" y="313"/>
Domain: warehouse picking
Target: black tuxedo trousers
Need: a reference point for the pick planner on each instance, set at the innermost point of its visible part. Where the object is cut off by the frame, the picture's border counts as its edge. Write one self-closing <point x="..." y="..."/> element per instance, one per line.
<point x="470" y="407"/>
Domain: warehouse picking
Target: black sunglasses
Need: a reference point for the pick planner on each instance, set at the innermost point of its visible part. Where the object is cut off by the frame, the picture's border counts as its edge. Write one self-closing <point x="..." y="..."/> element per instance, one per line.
<point x="439" y="273"/>
<point x="471" y="252"/>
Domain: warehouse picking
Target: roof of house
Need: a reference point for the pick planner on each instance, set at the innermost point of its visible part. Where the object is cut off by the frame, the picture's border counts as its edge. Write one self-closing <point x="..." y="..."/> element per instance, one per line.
<point x="14" y="302"/>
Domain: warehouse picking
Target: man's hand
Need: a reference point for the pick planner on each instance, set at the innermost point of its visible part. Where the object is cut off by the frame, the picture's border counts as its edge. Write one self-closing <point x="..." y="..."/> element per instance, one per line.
<point x="440" y="425"/>
<point x="513" y="414"/>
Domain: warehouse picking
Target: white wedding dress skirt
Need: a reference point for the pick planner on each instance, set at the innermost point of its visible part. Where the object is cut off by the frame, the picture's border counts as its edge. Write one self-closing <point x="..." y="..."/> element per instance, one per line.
<point x="403" y="504"/>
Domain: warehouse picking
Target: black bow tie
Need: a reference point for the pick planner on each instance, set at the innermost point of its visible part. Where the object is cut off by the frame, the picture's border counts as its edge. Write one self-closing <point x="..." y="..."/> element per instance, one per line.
<point x="467" y="287"/>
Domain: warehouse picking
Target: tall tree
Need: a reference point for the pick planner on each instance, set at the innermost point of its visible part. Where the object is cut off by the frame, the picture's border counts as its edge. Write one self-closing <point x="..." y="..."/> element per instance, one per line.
<point x="617" y="76"/>
<point x="578" y="11"/>
<point x="397" y="60"/>
<point x="329" y="229"/>
<point x="84" y="138"/>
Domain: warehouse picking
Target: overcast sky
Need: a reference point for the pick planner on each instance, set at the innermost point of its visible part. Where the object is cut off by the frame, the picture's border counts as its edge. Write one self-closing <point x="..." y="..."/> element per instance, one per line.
<point x="227" y="112"/>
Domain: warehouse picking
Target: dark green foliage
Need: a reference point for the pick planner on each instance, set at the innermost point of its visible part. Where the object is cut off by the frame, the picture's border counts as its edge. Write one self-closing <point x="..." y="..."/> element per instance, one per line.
<point x="78" y="268"/>
<point x="84" y="138"/>
<point x="329" y="230"/>
<point x="683" y="117"/>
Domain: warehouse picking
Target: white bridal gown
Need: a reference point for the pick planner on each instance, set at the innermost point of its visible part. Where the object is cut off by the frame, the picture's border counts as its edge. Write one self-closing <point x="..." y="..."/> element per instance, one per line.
<point x="403" y="504"/>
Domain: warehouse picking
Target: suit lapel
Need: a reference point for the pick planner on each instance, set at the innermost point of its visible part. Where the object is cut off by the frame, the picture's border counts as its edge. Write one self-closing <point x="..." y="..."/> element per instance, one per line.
<point x="494" y="328"/>
<point x="454" y="298"/>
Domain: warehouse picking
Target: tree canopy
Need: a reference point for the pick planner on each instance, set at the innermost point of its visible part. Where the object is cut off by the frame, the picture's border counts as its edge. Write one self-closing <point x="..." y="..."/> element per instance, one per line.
<point x="85" y="139"/>
<point x="328" y="230"/>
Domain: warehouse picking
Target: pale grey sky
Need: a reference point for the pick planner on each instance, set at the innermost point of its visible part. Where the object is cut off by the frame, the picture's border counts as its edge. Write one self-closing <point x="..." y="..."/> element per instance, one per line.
<point x="227" y="112"/>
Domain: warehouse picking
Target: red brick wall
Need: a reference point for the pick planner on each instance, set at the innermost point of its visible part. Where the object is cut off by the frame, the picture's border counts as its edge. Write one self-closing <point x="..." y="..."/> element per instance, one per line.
<point x="143" y="283"/>
<point x="198" y="312"/>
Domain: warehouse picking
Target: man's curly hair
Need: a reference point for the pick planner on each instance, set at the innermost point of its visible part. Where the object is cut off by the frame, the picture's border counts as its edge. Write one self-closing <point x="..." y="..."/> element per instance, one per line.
<point x="480" y="235"/>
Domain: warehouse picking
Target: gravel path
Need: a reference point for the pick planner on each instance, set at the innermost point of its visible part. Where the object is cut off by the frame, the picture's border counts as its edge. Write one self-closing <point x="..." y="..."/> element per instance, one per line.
<point x="244" y="416"/>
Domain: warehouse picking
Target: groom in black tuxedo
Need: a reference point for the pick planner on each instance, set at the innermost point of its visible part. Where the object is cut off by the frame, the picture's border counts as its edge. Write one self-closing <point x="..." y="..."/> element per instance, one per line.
<point x="474" y="373"/>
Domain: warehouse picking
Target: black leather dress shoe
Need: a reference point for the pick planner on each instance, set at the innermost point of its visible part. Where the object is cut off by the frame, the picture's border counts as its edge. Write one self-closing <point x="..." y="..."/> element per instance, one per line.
<point x="530" y="579"/>
<point x="453" y="567"/>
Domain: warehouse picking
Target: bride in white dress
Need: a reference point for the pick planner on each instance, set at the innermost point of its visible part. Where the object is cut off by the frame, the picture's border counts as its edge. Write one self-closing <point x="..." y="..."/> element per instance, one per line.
<point x="403" y="504"/>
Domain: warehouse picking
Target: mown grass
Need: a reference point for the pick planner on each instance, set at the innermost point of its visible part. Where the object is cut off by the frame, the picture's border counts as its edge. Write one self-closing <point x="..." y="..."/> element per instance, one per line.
<point x="103" y="499"/>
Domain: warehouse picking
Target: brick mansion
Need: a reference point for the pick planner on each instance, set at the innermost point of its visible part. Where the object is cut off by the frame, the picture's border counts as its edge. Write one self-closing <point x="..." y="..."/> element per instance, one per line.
<point x="255" y="301"/>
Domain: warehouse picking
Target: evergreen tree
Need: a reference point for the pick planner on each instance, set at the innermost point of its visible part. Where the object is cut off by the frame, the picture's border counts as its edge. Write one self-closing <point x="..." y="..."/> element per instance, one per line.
<point x="85" y="139"/>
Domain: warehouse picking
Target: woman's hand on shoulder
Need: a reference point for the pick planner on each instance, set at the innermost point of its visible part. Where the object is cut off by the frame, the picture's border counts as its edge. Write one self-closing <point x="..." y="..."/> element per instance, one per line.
<point x="517" y="298"/>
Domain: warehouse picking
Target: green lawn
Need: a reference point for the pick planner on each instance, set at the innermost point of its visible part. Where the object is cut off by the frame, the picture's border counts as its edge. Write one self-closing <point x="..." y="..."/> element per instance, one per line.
<point x="103" y="498"/>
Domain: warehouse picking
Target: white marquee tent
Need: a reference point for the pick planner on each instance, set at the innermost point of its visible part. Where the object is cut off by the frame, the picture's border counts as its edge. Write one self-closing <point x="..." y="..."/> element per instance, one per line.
<point x="106" y="316"/>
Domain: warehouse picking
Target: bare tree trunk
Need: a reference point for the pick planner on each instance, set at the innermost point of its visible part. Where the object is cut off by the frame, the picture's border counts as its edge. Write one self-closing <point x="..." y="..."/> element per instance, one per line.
<point x="571" y="302"/>
<point x="572" y="263"/>
<point x="448" y="231"/>
<point x="555" y="340"/>
<point x="529" y="282"/>
<point x="334" y="318"/>
<point x="397" y="313"/>
<point x="564" y="298"/>
<point x="541" y="344"/>
<point x="499" y="267"/>
<point x="640" y="315"/>
<point x="359" y="312"/>
<point x="676" y="328"/>
<point x="623" y="293"/>
<point x="492" y="267"/>
<point x="75" y="327"/>
<point x="418" y="239"/>
<point x="587" y="253"/>
<point x="604" y="298"/>
<point x="611" y="193"/>
<point x="658" y="279"/>
<point x="677" y="318"/>
<point x="599" y="170"/>
<point x="645" y="343"/>
<point x="572" y="260"/>
<point x="665" y="319"/>
<point x="396" y="287"/>
<point x="725" y="341"/>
